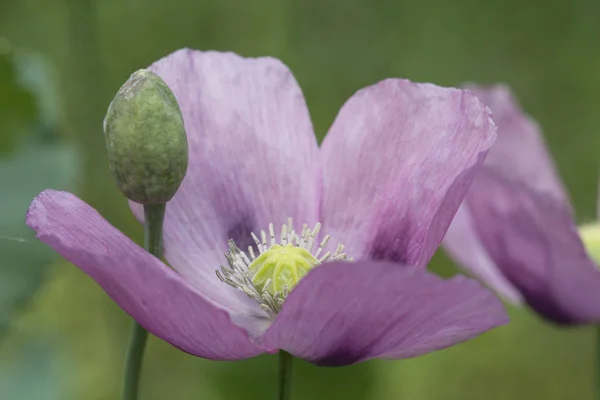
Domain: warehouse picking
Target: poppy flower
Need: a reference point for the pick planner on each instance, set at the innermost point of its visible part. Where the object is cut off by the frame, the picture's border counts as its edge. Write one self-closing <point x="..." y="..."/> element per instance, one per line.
<point x="260" y="201"/>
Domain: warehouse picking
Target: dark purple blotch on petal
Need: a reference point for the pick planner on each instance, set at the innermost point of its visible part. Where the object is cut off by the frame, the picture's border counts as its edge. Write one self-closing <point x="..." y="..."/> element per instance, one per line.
<point x="240" y="231"/>
<point x="392" y="243"/>
<point x="339" y="356"/>
<point x="402" y="242"/>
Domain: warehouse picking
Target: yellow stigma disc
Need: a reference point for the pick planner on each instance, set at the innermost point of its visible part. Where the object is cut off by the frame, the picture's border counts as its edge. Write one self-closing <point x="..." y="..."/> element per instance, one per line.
<point x="281" y="267"/>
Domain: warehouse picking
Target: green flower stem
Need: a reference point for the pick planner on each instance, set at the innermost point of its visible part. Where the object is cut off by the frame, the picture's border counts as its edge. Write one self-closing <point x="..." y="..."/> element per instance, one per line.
<point x="133" y="365"/>
<point x="285" y="375"/>
<point x="154" y="217"/>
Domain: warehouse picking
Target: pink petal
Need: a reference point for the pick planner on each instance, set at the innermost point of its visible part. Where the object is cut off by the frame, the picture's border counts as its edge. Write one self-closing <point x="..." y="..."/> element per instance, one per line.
<point x="253" y="160"/>
<point x="153" y="294"/>
<point x="343" y="313"/>
<point x="397" y="162"/>
<point x="531" y="237"/>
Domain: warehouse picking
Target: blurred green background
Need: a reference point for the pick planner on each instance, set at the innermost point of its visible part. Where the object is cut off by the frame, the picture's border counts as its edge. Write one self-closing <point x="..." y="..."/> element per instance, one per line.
<point x="61" y="61"/>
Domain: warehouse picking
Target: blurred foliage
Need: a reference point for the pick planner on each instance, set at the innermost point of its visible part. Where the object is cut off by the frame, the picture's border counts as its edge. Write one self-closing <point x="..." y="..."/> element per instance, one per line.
<point x="32" y="374"/>
<point x="17" y="105"/>
<point x="545" y="49"/>
<point x="24" y="259"/>
<point x="36" y="163"/>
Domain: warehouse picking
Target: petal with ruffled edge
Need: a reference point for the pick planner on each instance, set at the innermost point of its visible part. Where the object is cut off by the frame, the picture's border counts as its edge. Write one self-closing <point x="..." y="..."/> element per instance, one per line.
<point x="152" y="293"/>
<point x="253" y="159"/>
<point x="397" y="162"/>
<point x="531" y="237"/>
<point x="343" y="313"/>
<point x="519" y="152"/>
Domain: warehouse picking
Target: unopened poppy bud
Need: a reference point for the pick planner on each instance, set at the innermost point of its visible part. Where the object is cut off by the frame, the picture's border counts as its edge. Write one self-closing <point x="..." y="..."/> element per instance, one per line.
<point x="146" y="140"/>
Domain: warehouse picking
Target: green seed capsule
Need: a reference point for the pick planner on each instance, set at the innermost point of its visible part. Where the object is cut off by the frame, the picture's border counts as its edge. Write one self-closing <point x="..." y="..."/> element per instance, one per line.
<point x="146" y="140"/>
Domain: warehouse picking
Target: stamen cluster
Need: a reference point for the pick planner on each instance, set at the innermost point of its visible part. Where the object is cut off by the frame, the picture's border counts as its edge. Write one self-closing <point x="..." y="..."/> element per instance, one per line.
<point x="287" y="260"/>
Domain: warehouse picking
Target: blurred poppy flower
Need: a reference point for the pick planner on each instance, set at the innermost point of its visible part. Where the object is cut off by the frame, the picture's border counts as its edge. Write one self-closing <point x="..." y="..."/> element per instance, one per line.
<point x="515" y="228"/>
<point x="386" y="183"/>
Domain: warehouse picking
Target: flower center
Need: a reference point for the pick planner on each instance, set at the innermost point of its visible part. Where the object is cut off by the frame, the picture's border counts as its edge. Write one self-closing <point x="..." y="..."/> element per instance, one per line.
<point x="269" y="276"/>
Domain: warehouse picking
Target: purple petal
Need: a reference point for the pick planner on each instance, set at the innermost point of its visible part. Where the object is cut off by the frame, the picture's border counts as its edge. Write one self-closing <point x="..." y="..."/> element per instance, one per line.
<point x="343" y="313"/>
<point x="152" y="293"/>
<point x="519" y="153"/>
<point x="397" y="162"/>
<point x="531" y="237"/>
<point x="462" y="243"/>
<point x="253" y="160"/>
<point x="520" y="150"/>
